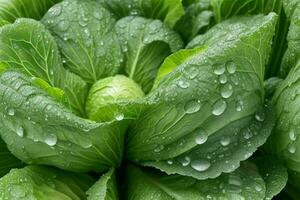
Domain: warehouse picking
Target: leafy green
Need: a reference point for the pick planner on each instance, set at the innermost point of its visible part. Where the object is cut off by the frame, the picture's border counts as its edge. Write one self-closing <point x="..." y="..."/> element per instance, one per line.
<point x="37" y="182"/>
<point x="10" y="10"/>
<point x="145" y="43"/>
<point x="84" y="33"/>
<point x="207" y="114"/>
<point x="168" y="11"/>
<point x="105" y="188"/>
<point x="244" y="183"/>
<point x="33" y="120"/>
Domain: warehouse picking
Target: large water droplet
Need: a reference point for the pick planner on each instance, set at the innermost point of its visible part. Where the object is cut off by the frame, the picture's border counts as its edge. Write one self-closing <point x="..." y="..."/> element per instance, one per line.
<point x="183" y="84"/>
<point x="225" y="141"/>
<point x="201" y="136"/>
<point x="186" y="161"/>
<point x="226" y="91"/>
<point x="192" y="106"/>
<point x="260" y="116"/>
<point x="51" y="139"/>
<point x="219" y="107"/>
<point x="239" y="106"/>
<point x="119" y="116"/>
<point x="219" y="69"/>
<point x="11" y="111"/>
<point x="231" y="67"/>
<point x="20" y="131"/>
<point x="292" y="135"/>
<point x="200" y="165"/>
<point x="292" y="148"/>
<point x="223" y="79"/>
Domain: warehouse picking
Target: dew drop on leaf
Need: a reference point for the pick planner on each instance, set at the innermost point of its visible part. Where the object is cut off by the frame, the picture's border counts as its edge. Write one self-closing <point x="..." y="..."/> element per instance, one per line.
<point x="223" y="79"/>
<point x="159" y="148"/>
<point x="226" y="91"/>
<point x="192" y="106"/>
<point x="186" y="161"/>
<point x="11" y="111"/>
<point x="201" y="136"/>
<point x="219" y="107"/>
<point x="20" y="131"/>
<point x="231" y="67"/>
<point x="292" y="135"/>
<point x="219" y="69"/>
<point x="51" y="139"/>
<point x="225" y="141"/>
<point x="200" y="165"/>
<point x="292" y="148"/>
<point x="119" y="116"/>
<point x="183" y="84"/>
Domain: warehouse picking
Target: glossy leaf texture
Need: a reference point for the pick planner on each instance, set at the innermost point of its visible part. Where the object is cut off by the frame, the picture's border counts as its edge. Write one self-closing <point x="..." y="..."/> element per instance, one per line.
<point x="145" y="44"/>
<point x="208" y="114"/>
<point x="84" y="33"/>
<point x="27" y="45"/>
<point x="33" y="120"/>
<point x="10" y="10"/>
<point x="105" y="188"/>
<point x="284" y="142"/>
<point x="292" y="54"/>
<point x="244" y="183"/>
<point x="38" y="182"/>
<point x="7" y="160"/>
<point x="168" y="11"/>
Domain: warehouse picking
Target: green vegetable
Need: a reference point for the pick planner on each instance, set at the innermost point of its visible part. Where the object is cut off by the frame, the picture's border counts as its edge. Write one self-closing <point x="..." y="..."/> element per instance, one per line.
<point x="149" y="99"/>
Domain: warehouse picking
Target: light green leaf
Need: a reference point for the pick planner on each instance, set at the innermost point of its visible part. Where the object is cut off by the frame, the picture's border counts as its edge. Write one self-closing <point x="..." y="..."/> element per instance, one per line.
<point x="105" y="188"/>
<point x="108" y="95"/>
<point x="84" y="33"/>
<point x="37" y="182"/>
<point x="10" y="10"/>
<point x="28" y="46"/>
<point x="274" y="174"/>
<point x="244" y="183"/>
<point x="145" y="43"/>
<point x="7" y="160"/>
<point x="39" y="130"/>
<point x="292" y="54"/>
<point x="207" y="115"/>
<point x="168" y="11"/>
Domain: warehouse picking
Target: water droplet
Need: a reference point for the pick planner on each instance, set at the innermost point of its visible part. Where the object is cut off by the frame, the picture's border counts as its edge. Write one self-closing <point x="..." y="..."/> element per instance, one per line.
<point x="239" y="106"/>
<point x="226" y="91"/>
<point x="200" y="165"/>
<point x="219" y="107"/>
<point x="292" y="148"/>
<point x="159" y="148"/>
<point x="97" y="15"/>
<point x="56" y="10"/>
<point x="20" y="131"/>
<point x="258" y="188"/>
<point x="201" y="137"/>
<point x="225" y="141"/>
<point x="134" y="12"/>
<point x="186" y="161"/>
<point x="231" y="67"/>
<point x="63" y="25"/>
<point x="219" y="69"/>
<point x="292" y="135"/>
<point x="11" y="111"/>
<point x="223" y="79"/>
<point x="170" y="162"/>
<point x="51" y="139"/>
<point x="119" y="117"/>
<point x="183" y="84"/>
<point x="192" y="73"/>
<point x="192" y="106"/>
<point x="260" y="116"/>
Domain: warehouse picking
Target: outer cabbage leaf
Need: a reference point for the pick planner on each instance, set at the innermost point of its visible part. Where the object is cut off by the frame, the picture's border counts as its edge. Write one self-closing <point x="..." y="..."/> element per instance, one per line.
<point x="105" y="188"/>
<point x="27" y="45"/>
<point x="145" y="43"/>
<point x="274" y="174"/>
<point x="10" y="10"/>
<point x="37" y="182"/>
<point x="207" y="114"/>
<point x="39" y="130"/>
<point x="244" y="183"/>
<point x="168" y="11"/>
<point x="292" y="54"/>
<point x="284" y="141"/>
<point x="84" y="33"/>
<point x="293" y="186"/>
<point x="7" y="160"/>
